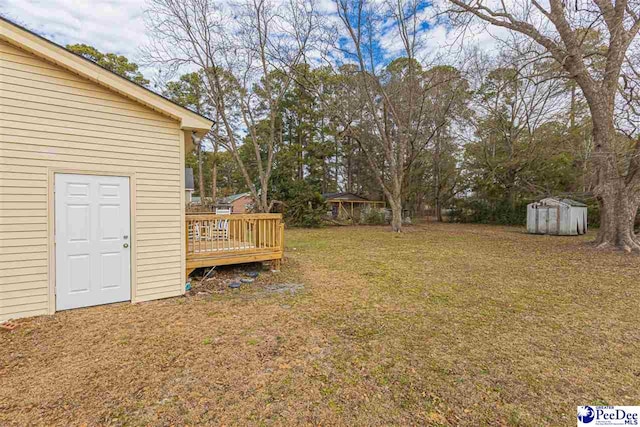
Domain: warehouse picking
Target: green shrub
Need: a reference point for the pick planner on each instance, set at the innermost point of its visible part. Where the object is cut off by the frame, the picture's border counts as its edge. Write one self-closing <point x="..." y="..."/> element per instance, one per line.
<point x="484" y="212"/>
<point x="372" y="217"/>
<point x="593" y="214"/>
<point x="305" y="207"/>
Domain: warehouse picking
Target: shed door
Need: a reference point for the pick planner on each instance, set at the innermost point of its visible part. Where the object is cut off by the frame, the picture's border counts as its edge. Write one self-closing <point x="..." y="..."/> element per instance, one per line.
<point x="543" y="220"/>
<point x="92" y="232"/>
<point x="552" y="220"/>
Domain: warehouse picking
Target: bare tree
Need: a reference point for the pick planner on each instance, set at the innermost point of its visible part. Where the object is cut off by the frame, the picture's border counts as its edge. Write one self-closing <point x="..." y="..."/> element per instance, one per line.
<point x="513" y="104"/>
<point x="392" y="129"/>
<point x="560" y="28"/>
<point x="247" y="53"/>
<point x="448" y="104"/>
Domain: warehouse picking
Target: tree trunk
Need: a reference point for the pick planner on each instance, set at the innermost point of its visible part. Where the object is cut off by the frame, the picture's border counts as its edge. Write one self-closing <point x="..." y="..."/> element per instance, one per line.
<point x="200" y="173"/>
<point x="263" y="204"/>
<point x="511" y="188"/>
<point x="436" y="177"/>
<point x="618" y="210"/>
<point x="572" y="111"/>
<point x="337" y="164"/>
<point x="438" y="200"/>
<point x="349" y="167"/>
<point x="618" y="199"/>
<point x="511" y="197"/>
<point x="395" y="201"/>
<point x="300" y="155"/>
<point x="214" y="174"/>
<point x="396" y="216"/>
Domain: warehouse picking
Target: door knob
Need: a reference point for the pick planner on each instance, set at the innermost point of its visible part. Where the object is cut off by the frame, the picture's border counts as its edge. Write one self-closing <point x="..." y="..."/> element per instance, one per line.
<point x="126" y="245"/>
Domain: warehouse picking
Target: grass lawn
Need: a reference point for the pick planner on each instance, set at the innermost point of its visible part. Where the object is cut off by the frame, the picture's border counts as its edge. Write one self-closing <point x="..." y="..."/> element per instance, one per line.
<point x="441" y="325"/>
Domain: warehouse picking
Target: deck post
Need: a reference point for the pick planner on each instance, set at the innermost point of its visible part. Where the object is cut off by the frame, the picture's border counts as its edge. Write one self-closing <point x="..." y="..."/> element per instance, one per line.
<point x="277" y="263"/>
<point x="282" y="240"/>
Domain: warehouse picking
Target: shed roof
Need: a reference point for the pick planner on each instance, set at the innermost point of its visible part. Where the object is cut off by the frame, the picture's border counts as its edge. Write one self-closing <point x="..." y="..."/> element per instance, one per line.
<point x="53" y="52"/>
<point x="557" y="201"/>
<point x="572" y="202"/>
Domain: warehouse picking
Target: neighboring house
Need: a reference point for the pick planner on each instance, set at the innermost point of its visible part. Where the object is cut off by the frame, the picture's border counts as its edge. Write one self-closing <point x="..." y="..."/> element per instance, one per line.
<point x="349" y="205"/>
<point x="92" y="184"/>
<point x="189" y="186"/>
<point x="239" y="203"/>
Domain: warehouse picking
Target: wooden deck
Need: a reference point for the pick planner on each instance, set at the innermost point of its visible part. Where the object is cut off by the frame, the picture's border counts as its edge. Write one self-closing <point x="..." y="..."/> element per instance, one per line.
<point x="214" y="240"/>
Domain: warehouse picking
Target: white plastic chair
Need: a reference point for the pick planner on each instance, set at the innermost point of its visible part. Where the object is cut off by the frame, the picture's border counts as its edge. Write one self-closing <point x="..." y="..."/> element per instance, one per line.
<point x="222" y="225"/>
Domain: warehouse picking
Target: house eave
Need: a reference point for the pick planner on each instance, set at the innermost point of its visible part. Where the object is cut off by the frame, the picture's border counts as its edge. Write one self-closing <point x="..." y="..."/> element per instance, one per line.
<point x="52" y="52"/>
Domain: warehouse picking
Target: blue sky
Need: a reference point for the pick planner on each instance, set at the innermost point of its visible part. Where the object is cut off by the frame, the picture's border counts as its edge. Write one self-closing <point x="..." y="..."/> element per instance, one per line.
<point x="118" y="25"/>
<point x="387" y="46"/>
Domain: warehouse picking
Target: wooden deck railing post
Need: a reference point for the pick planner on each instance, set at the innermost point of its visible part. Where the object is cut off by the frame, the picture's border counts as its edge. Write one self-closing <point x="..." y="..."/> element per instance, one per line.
<point x="186" y="236"/>
<point x="282" y="239"/>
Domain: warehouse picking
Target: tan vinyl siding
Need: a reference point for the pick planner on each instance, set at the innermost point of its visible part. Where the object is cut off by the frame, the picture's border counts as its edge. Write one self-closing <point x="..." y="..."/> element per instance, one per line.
<point x="53" y="119"/>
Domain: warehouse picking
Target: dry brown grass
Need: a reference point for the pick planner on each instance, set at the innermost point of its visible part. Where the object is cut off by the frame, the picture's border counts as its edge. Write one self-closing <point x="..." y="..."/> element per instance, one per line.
<point x="442" y="325"/>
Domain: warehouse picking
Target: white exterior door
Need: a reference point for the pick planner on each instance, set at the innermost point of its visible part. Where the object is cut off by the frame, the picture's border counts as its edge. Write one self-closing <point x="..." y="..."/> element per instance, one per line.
<point x="92" y="240"/>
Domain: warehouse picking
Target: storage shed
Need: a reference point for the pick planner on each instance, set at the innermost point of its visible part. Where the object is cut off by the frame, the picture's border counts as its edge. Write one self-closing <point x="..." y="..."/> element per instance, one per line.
<point x="92" y="182"/>
<point x="562" y="217"/>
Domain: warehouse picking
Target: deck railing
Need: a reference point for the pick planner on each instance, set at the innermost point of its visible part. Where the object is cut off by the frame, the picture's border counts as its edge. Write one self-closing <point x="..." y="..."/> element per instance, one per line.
<point x="226" y="239"/>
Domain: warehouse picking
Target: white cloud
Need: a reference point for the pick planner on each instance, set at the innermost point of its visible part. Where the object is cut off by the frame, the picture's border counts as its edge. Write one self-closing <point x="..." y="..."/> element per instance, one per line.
<point x="109" y="25"/>
<point x="440" y="41"/>
<point x="444" y="43"/>
<point x="118" y="26"/>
